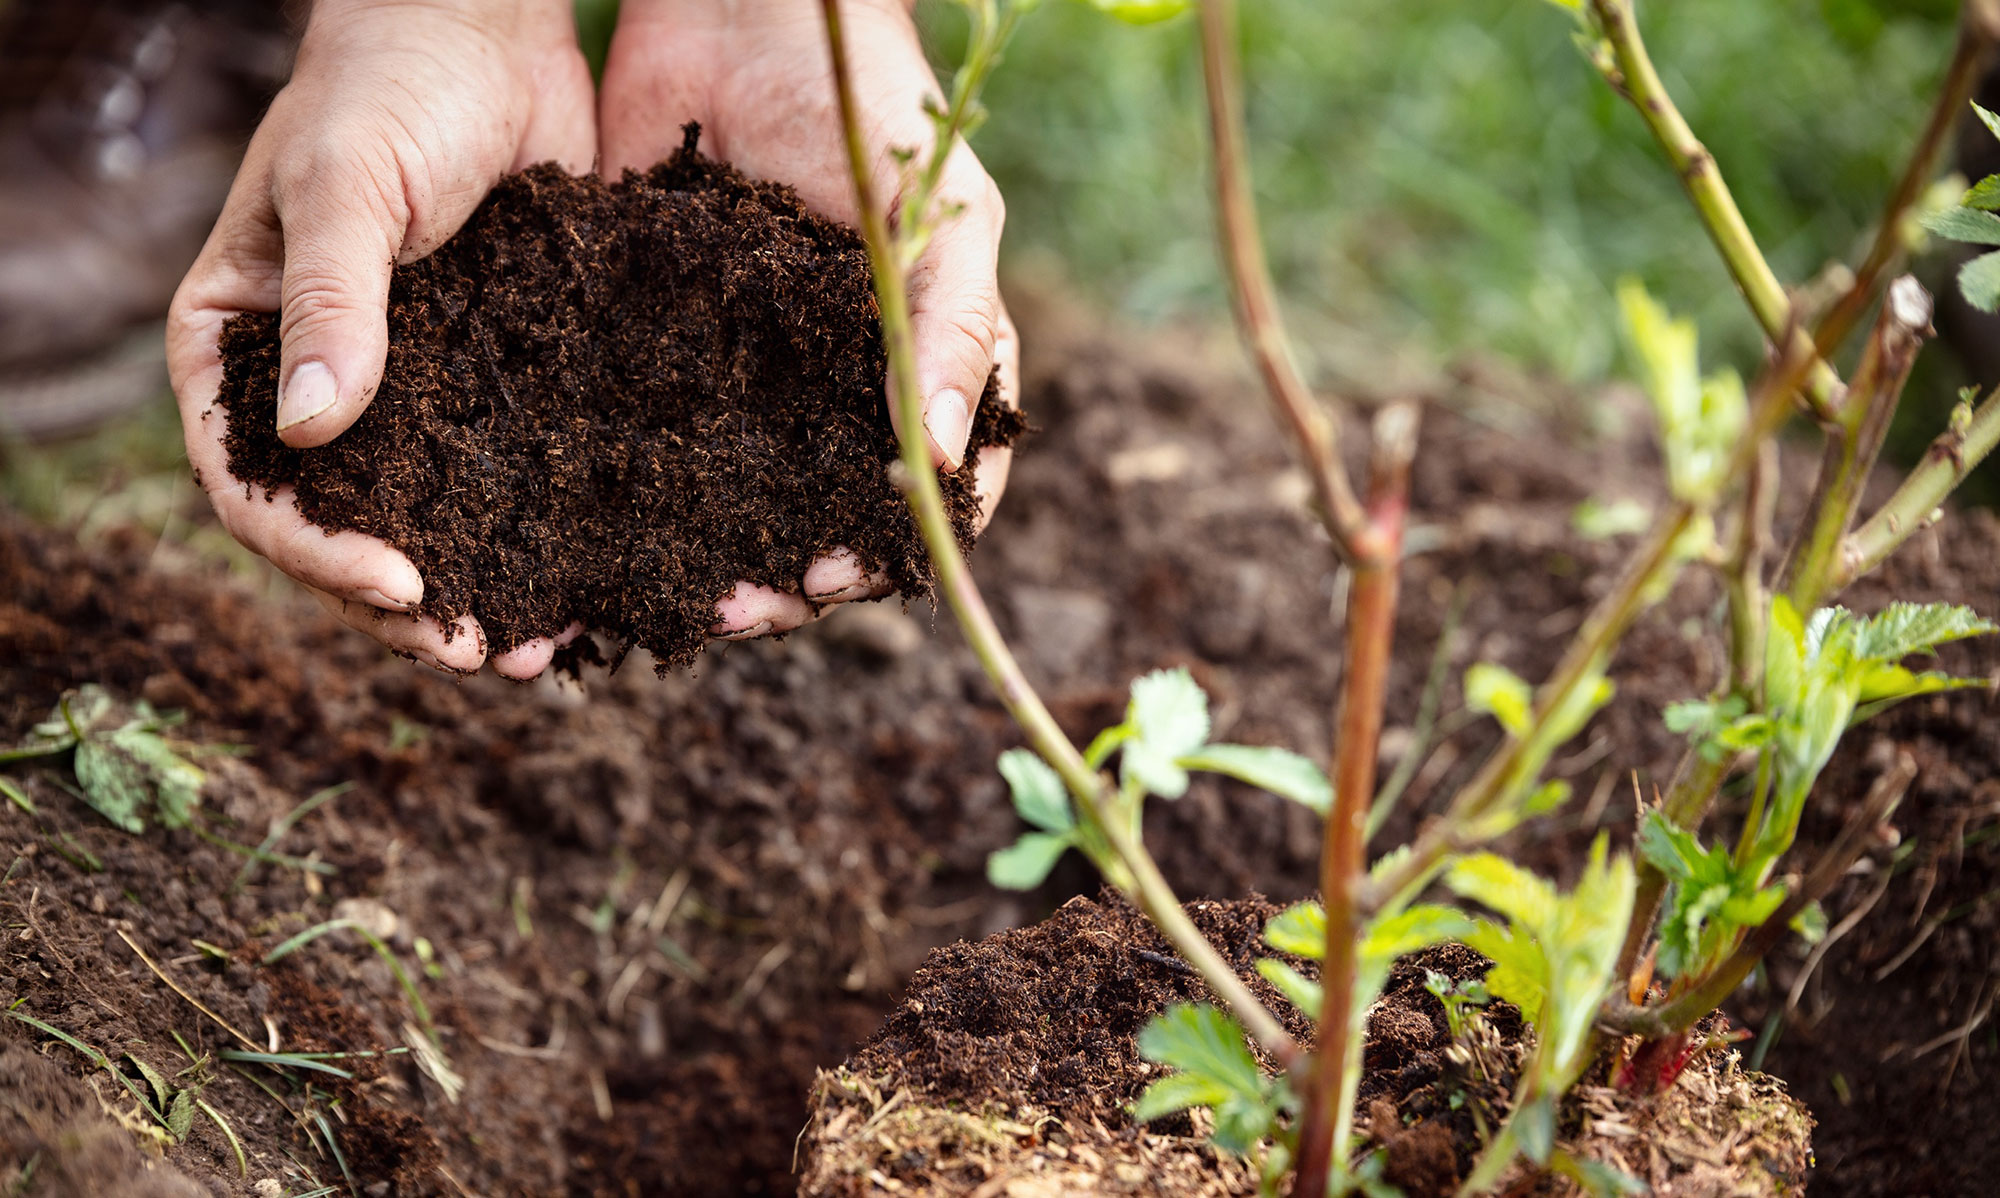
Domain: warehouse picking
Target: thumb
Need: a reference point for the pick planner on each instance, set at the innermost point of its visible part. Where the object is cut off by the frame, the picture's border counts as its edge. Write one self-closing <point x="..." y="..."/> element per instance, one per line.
<point x="342" y="232"/>
<point x="955" y="320"/>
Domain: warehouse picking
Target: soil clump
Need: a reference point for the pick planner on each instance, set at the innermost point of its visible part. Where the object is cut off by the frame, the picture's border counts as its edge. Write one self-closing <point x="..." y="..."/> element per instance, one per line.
<point x="607" y="402"/>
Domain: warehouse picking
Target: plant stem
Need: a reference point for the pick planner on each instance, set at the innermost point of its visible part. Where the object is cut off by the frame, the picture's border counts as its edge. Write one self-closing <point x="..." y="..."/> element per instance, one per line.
<point x="1371" y="627"/>
<point x="1743" y="574"/>
<point x="1968" y="58"/>
<point x="1854" y="441"/>
<point x="1945" y="464"/>
<point x="1149" y="888"/>
<point x="1633" y="75"/>
<point x="1254" y="296"/>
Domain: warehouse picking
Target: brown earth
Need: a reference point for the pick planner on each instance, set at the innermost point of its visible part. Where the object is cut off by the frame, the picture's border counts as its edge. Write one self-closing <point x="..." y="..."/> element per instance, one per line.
<point x="656" y="909"/>
<point x="607" y="402"/>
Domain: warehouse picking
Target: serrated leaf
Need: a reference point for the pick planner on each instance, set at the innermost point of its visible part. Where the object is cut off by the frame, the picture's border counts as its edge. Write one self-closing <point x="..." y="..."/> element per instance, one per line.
<point x="1280" y="771"/>
<point x="1964" y="224"/>
<point x="1903" y="629"/>
<point x="1298" y="989"/>
<point x="1026" y="863"/>
<point x="1493" y="881"/>
<point x="1983" y="195"/>
<point x="1036" y="790"/>
<point x="1299" y="930"/>
<point x="1499" y="692"/>
<point x="1199" y="1039"/>
<point x="1169" y="718"/>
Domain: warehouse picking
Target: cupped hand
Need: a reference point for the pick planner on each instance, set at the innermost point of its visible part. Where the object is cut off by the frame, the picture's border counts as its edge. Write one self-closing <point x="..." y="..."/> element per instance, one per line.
<point x="758" y="76"/>
<point x="399" y="117"/>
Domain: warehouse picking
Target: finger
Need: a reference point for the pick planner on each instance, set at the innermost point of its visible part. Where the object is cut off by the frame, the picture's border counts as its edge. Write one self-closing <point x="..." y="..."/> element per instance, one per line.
<point x="840" y="577"/>
<point x="344" y="225"/>
<point x="420" y="638"/>
<point x="752" y="611"/>
<point x="562" y="126"/>
<point x="996" y="462"/>
<point x="526" y="660"/>
<point x="955" y="310"/>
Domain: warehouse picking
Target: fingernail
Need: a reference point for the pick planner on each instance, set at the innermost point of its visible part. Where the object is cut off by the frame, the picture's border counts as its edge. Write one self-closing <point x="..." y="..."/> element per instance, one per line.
<point x="375" y="598"/>
<point x="307" y="393"/>
<point x="851" y="591"/>
<point x="948" y="421"/>
<point x="743" y="634"/>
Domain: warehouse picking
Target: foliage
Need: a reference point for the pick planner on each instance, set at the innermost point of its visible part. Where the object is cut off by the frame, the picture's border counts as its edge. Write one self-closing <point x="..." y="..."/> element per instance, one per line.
<point x="1973" y="221"/>
<point x="1213" y="1068"/>
<point x="1163" y="738"/>
<point x="124" y="768"/>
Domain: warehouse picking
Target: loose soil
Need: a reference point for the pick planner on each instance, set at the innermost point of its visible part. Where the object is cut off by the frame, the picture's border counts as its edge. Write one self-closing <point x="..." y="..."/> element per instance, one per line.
<point x="658" y="906"/>
<point x="607" y="402"/>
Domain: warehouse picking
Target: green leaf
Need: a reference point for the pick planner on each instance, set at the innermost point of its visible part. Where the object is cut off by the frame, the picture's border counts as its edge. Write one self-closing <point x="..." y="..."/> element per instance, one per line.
<point x="1903" y="629"/>
<point x="1535" y="1126"/>
<point x="1280" y="771"/>
<point x="1700" y="420"/>
<point x="1169" y="718"/>
<point x="1983" y="195"/>
<point x="1142" y="12"/>
<point x="1547" y="797"/>
<point x="1026" y="863"/>
<point x="18" y="797"/>
<point x="113" y="784"/>
<point x="1198" y="1038"/>
<point x="1964" y="224"/>
<point x="180" y="1116"/>
<point x="1299" y="930"/>
<point x="1499" y="692"/>
<point x="1037" y="791"/>
<point x="153" y="1079"/>
<point x="1596" y="520"/>
<point x="1206" y="1045"/>
<point x="176" y="782"/>
<point x="1177" y="1092"/>
<point x="1298" y="989"/>
<point x="1987" y="118"/>
<point x="1418" y="927"/>
<point x="1810" y="923"/>
<point x="1493" y="881"/>
<point x="1702" y="718"/>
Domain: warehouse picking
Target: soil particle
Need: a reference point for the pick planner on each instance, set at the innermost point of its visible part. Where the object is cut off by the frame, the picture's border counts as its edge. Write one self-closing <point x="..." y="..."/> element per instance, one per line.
<point x="606" y="403"/>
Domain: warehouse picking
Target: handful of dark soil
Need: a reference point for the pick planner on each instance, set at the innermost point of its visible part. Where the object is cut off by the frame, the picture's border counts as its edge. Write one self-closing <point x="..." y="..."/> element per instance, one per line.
<point x="608" y="402"/>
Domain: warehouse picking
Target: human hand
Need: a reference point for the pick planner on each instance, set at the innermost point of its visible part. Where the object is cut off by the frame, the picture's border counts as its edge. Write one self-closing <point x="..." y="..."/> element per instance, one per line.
<point x="758" y="76"/>
<point x="399" y="117"/>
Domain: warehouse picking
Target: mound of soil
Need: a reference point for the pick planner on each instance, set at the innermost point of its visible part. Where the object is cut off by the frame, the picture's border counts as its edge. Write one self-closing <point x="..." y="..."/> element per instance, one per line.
<point x="1011" y="1063"/>
<point x="609" y="402"/>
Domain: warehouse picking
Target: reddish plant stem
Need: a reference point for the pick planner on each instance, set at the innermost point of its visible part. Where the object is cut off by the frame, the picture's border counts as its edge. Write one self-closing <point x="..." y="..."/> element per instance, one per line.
<point x="1254" y="297"/>
<point x="1371" y="629"/>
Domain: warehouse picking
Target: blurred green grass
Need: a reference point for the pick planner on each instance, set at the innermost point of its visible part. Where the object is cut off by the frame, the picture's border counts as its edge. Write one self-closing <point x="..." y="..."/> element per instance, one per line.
<point x="1453" y="177"/>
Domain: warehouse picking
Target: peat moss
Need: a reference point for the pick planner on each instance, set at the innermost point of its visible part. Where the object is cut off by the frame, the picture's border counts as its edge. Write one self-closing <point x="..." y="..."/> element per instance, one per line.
<point x="606" y="402"/>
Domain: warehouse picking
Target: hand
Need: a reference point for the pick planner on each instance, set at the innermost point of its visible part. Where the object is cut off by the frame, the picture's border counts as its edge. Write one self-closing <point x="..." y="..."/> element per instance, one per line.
<point x="400" y="116"/>
<point x="758" y="76"/>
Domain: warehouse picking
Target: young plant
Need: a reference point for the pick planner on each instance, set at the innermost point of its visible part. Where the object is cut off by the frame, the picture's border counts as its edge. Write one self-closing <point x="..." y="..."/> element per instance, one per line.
<point x="125" y="769"/>
<point x="1795" y="683"/>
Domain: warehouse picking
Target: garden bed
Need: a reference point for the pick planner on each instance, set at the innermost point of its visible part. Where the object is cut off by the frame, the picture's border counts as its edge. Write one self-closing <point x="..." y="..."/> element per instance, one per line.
<point x="657" y="909"/>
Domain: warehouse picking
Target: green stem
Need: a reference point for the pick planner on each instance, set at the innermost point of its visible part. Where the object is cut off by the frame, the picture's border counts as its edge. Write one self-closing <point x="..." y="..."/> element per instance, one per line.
<point x="1149" y="888"/>
<point x="1632" y="73"/>
<point x="1493" y="1161"/>
<point x="1854" y="441"/>
<point x="1972" y="435"/>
